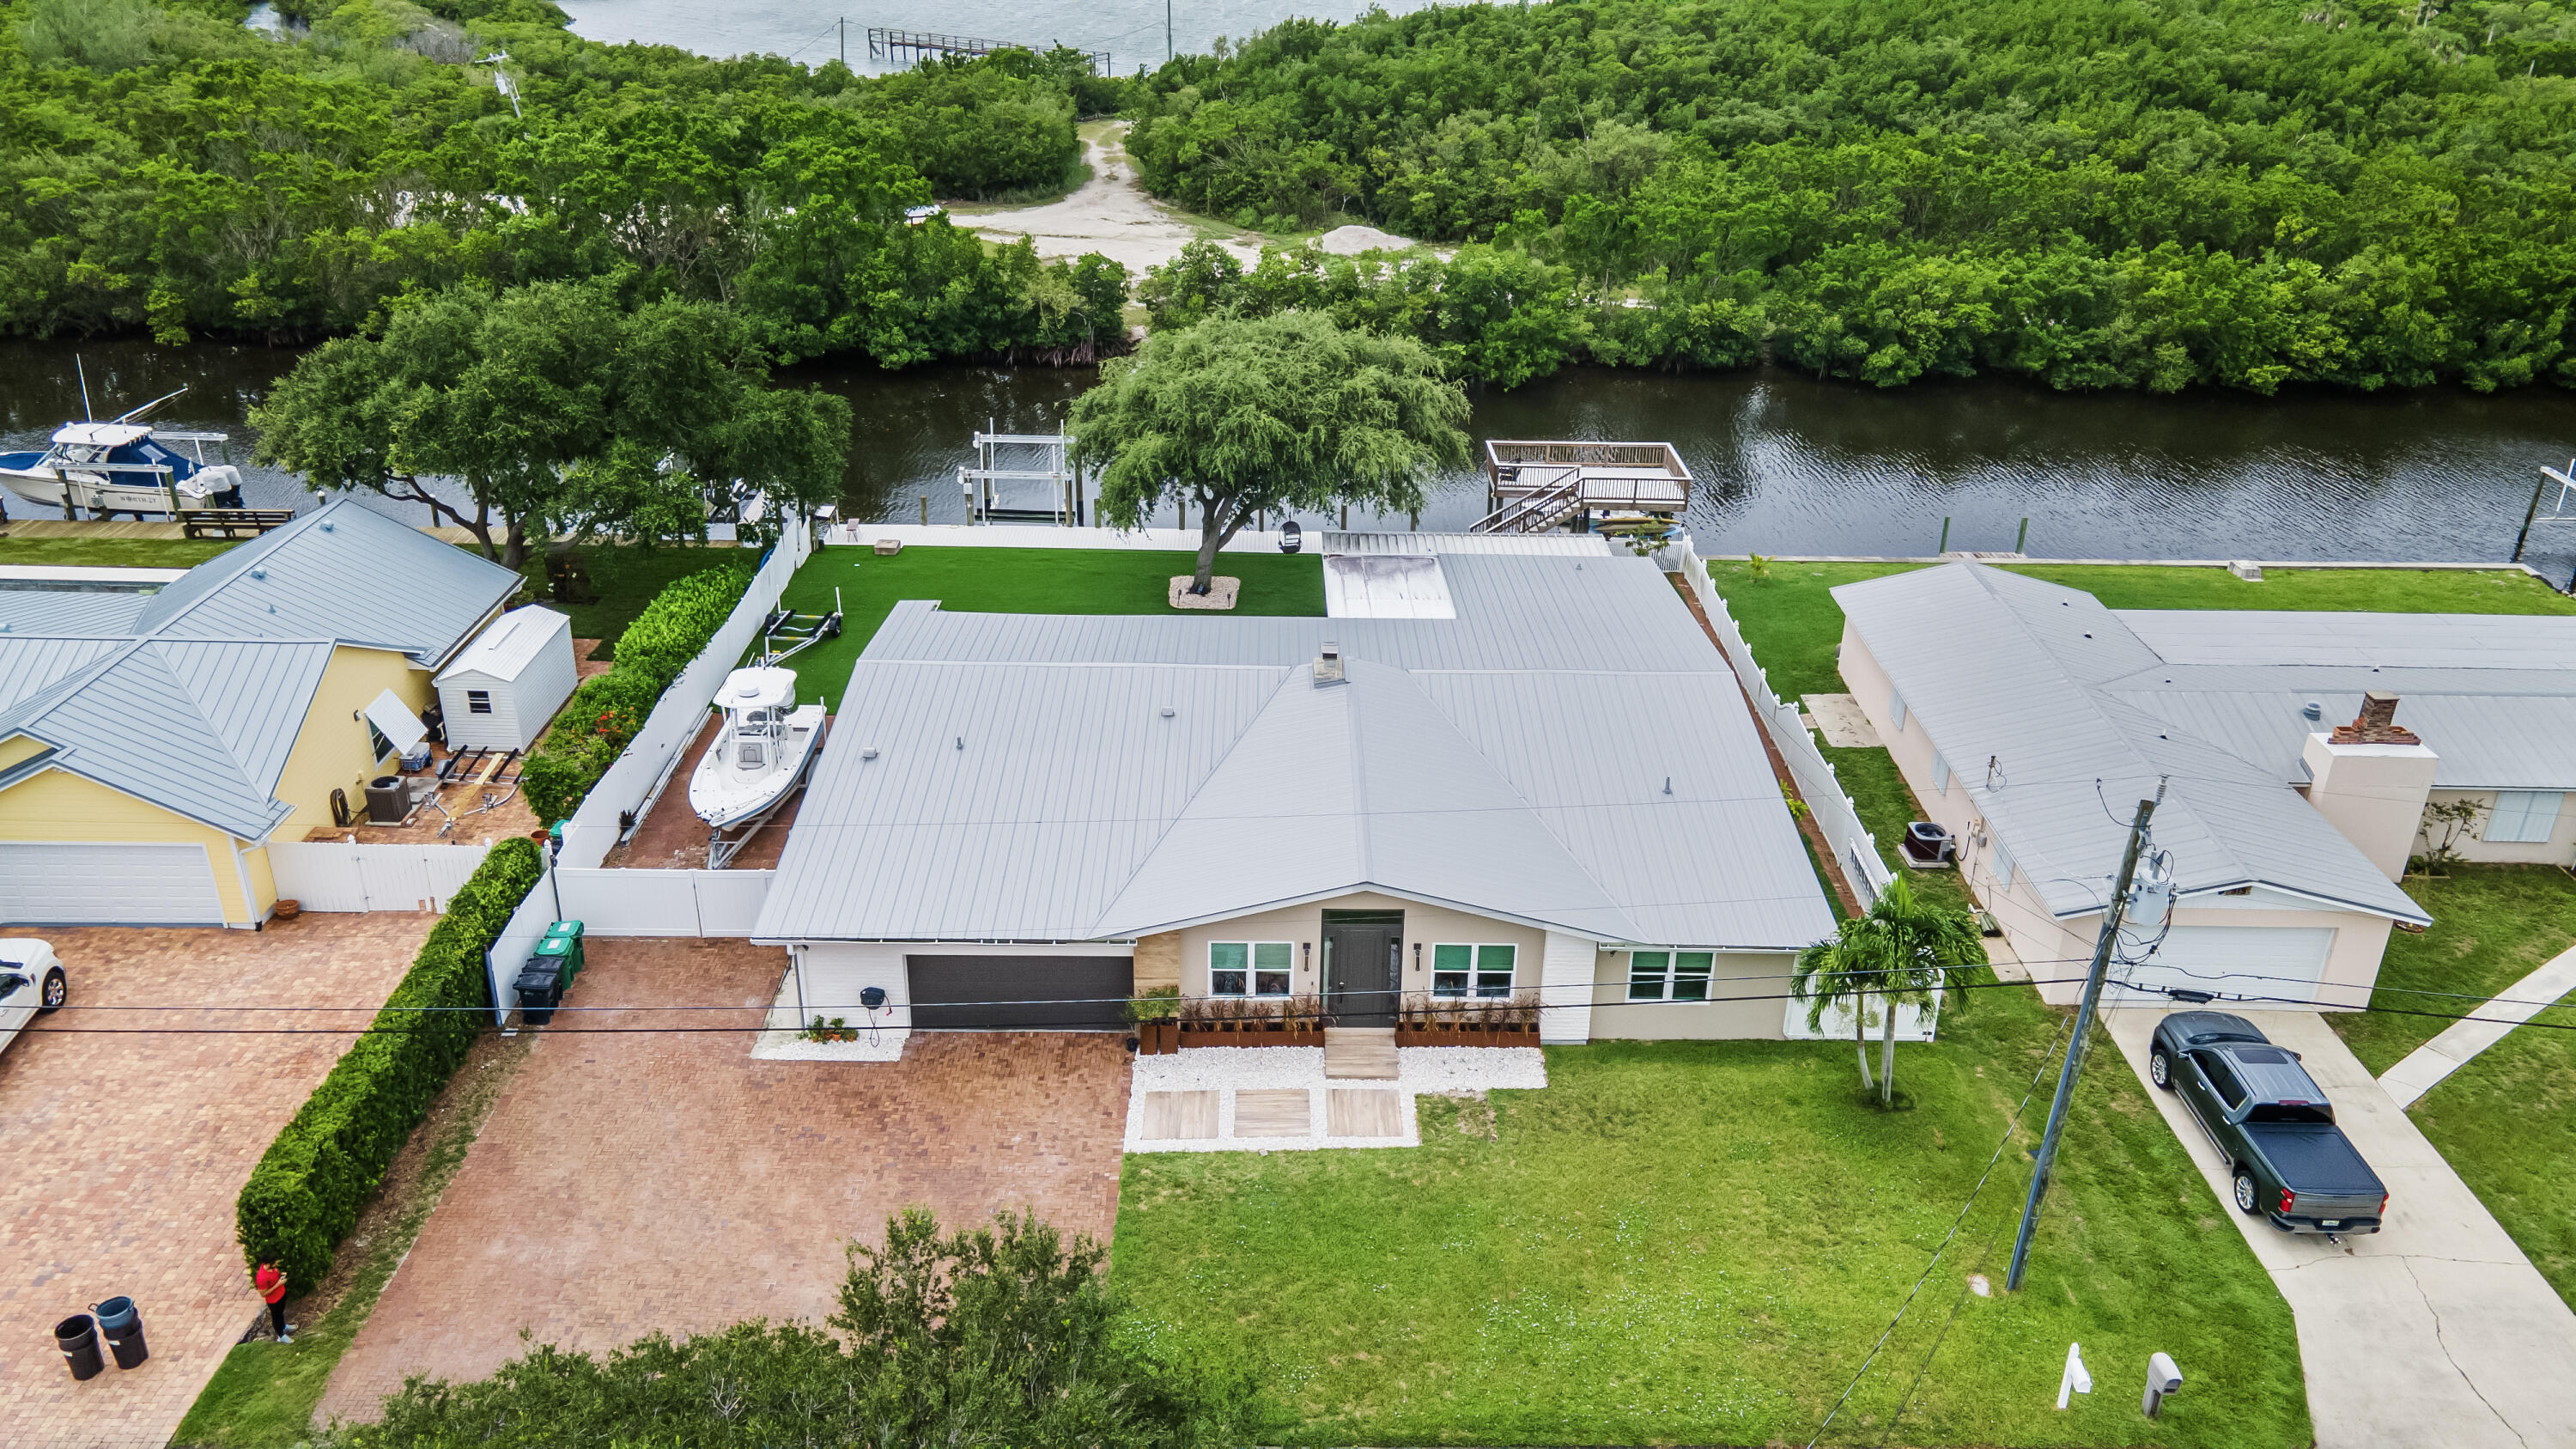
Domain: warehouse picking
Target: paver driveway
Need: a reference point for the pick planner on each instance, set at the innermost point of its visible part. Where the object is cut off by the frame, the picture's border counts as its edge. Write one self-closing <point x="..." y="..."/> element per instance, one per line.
<point x="123" y="1152"/>
<point x="640" y="1182"/>
<point x="2434" y="1332"/>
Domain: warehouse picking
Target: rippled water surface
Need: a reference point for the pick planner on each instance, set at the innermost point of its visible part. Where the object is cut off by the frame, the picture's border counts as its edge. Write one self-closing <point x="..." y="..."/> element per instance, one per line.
<point x="1785" y="464"/>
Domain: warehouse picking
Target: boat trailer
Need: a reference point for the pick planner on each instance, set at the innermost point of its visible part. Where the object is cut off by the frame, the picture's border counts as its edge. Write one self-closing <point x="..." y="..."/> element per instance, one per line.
<point x="802" y="631"/>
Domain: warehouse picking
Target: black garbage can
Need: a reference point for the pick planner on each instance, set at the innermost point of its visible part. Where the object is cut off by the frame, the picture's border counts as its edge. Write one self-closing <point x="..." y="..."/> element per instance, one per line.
<point x="77" y="1337"/>
<point x="122" y="1327"/>
<point x="540" y="990"/>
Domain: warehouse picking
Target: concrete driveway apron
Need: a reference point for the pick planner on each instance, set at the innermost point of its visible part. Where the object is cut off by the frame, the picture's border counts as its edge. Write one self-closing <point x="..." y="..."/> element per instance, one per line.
<point x="2434" y="1331"/>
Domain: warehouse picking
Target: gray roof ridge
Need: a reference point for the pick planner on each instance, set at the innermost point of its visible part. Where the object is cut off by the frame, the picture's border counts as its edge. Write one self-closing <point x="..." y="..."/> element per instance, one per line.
<point x="1360" y="822"/>
<point x="234" y="562"/>
<point x="2093" y="700"/>
<point x="20" y="716"/>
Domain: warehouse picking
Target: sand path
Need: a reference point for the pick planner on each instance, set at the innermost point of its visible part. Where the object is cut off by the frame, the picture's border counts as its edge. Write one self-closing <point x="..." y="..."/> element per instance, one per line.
<point x="1109" y="214"/>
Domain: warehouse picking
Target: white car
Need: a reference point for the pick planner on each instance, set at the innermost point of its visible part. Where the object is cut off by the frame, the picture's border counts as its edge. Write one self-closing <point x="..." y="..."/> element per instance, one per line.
<point x="31" y="983"/>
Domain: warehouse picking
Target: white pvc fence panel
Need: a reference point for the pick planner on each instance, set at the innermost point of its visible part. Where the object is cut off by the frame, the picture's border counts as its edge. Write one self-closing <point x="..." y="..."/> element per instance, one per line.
<point x="663" y="902"/>
<point x="636" y="780"/>
<point x="1913" y="1024"/>
<point x="1834" y="811"/>
<point x="509" y="951"/>
<point x="333" y="876"/>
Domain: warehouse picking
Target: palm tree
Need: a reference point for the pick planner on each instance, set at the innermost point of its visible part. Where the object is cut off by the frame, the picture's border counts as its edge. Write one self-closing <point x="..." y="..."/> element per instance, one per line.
<point x="1842" y="968"/>
<point x="1905" y="951"/>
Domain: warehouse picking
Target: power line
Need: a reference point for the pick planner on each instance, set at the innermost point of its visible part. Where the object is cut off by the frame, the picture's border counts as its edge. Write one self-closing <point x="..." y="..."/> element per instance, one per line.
<point x="2005" y="1142"/>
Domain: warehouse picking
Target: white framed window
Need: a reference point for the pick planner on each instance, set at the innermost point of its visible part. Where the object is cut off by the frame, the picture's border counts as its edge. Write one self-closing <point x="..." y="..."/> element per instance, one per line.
<point x="2001" y="863"/>
<point x="2524" y="816"/>
<point x="377" y="742"/>
<point x="1249" y="968"/>
<point x="1670" y="975"/>
<point x="1458" y="970"/>
<point x="478" y="701"/>
<point x="1940" y="774"/>
<point x="1896" y="706"/>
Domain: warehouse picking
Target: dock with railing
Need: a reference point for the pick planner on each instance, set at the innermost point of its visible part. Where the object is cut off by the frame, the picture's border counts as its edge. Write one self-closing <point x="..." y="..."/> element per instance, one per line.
<point x="1533" y="486"/>
<point x="888" y="43"/>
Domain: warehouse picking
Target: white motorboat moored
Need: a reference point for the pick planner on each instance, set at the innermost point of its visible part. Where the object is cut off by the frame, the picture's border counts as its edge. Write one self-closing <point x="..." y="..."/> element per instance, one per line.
<point x="123" y="467"/>
<point x="760" y="753"/>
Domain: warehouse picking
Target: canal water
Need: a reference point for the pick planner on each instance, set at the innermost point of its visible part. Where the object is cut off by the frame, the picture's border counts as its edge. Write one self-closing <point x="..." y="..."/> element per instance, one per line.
<point x="1784" y="463"/>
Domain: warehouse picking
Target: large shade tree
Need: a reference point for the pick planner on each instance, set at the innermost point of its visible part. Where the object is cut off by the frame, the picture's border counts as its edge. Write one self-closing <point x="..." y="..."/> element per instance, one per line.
<point x="1906" y="951"/>
<point x="1244" y="416"/>
<point x="555" y="406"/>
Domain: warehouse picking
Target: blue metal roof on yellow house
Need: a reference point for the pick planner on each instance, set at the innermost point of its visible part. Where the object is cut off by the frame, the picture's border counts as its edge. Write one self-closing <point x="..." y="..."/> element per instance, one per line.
<point x="195" y="703"/>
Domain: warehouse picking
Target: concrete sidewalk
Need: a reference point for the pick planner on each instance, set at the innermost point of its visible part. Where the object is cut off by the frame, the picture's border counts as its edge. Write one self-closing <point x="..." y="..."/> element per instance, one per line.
<point x="2426" y="1066"/>
<point x="2435" y="1331"/>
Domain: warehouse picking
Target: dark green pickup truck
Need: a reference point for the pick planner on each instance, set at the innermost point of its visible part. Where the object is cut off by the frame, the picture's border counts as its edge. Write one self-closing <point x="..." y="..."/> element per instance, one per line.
<point x="2272" y="1123"/>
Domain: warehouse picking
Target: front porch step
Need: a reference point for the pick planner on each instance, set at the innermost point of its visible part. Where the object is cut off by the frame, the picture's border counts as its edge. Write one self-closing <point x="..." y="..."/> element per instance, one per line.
<point x="1363" y="1052"/>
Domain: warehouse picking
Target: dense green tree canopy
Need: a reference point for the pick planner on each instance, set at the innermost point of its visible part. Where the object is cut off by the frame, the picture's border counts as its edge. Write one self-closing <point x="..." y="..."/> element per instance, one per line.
<point x="2090" y="192"/>
<point x="555" y="406"/>
<point x="1000" y="1335"/>
<point x="1242" y="416"/>
<point x="165" y="168"/>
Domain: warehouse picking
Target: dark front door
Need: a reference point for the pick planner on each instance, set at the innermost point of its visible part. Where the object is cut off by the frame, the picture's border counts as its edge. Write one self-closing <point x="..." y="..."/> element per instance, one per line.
<point x="1363" y="966"/>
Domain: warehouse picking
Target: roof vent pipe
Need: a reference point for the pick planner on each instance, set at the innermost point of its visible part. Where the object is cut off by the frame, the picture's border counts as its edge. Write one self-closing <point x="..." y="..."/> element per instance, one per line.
<point x="1328" y="664"/>
<point x="2313" y="710"/>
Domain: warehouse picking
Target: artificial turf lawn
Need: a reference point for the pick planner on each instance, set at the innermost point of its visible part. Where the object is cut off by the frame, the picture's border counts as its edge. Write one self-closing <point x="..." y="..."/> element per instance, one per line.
<point x="1018" y="581"/>
<point x="2492" y="926"/>
<point x="1698" y="1242"/>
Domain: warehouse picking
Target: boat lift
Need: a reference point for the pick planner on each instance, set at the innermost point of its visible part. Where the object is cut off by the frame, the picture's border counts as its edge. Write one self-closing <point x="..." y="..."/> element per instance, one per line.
<point x="986" y="502"/>
<point x="2558" y="509"/>
<point x="802" y="631"/>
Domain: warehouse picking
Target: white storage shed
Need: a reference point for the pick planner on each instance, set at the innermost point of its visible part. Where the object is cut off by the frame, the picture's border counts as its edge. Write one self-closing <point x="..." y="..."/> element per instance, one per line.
<point x="502" y="688"/>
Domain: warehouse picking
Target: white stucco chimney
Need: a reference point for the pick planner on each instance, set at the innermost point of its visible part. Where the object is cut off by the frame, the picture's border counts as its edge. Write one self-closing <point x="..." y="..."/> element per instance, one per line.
<point x="2370" y="778"/>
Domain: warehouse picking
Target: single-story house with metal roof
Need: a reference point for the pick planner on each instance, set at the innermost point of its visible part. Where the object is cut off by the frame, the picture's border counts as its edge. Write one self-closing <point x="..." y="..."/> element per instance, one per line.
<point x="155" y="738"/>
<point x="2302" y="751"/>
<point x="1019" y="821"/>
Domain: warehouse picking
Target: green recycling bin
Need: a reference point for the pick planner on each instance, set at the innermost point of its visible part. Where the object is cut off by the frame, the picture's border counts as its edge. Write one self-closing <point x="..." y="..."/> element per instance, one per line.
<point x="562" y="946"/>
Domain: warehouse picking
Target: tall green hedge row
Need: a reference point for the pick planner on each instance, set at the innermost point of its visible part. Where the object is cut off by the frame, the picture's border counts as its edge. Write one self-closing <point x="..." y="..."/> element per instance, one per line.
<point x="307" y="1191"/>
<point x="605" y="712"/>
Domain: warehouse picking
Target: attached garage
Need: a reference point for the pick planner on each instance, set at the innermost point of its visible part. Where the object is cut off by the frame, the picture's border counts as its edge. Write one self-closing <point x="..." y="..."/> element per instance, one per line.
<point x="1020" y="993"/>
<point x="2283" y="962"/>
<point x="60" y="883"/>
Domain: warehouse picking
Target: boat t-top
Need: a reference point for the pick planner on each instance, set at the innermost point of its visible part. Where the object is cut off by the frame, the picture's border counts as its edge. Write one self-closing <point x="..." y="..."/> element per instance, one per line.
<point x="759" y="756"/>
<point x="124" y="466"/>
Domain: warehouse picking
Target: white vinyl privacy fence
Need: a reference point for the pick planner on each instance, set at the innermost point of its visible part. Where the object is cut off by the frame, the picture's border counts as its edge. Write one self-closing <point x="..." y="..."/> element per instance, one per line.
<point x="664" y="902"/>
<point x="328" y="875"/>
<point x="628" y="790"/>
<point x="1834" y="811"/>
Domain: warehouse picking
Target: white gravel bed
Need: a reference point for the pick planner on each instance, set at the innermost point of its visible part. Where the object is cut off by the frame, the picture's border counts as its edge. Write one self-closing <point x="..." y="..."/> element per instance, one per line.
<point x="1227" y="1070"/>
<point x="781" y="1042"/>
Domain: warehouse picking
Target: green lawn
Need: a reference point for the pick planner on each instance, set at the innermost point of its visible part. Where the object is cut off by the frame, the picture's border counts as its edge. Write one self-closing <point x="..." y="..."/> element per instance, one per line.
<point x="110" y="553"/>
<point x="2507" y="1121"/>
<point x="1793" y="624"/>
<point x="626" y="578"/>
<point x="1019" y="581"/>
<point x="1698" y="1242"/>
<point x="2492" y="926"/>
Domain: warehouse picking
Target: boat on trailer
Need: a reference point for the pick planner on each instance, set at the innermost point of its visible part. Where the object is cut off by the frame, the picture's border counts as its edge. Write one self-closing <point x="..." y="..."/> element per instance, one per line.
<point x="124" y="466"/>
<point x="759" y="757"/>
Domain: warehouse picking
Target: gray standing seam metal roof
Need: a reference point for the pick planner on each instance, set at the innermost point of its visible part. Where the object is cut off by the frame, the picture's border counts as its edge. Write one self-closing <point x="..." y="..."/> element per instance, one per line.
<point x="1998" y="665"/>
<point x="197" y="709"/>
<point x="1509" y="762"/>
<point x="72" y="613"/>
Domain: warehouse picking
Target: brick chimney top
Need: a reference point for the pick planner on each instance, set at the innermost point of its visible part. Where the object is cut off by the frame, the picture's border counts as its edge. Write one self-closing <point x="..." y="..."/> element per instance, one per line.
<point x="2377" y="724"/>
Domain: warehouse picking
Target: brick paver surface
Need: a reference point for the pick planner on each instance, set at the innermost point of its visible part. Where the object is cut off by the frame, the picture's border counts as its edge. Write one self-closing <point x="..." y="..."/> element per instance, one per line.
<point x="121" y="1154"/>
<point x="672" y="837"/>
<point x="634" y="1183"/>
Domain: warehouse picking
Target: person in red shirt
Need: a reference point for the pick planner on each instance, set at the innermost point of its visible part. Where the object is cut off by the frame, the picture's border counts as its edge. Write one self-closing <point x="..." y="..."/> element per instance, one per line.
<point x="270" y="1280"/>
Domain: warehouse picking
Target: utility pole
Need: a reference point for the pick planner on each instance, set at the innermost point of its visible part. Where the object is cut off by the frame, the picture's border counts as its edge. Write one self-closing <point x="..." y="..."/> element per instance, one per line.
<point x="1167" y="33"/>
<point x="2083" y="1038"/>
<point x="845" y="42"/>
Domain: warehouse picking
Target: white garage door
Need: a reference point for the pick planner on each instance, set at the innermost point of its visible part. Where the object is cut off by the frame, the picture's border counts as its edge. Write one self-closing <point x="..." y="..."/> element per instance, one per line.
<point x="2258" y="961"/>
<point x="66" y="884"/>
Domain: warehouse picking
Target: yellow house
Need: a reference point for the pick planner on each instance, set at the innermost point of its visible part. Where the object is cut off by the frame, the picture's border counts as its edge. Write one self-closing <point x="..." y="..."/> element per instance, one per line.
<point x="152" y="744"/>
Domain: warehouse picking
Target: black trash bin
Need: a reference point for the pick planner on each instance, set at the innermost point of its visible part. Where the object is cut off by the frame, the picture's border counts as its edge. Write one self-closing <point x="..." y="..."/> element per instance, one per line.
<point x="540" y="989"/>
<point x="122" y="1326"/>
<point x="77" y="1337"/>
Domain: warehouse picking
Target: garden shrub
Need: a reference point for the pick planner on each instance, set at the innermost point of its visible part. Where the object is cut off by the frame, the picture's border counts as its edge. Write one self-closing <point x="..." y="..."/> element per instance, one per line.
<point x="309" y="1187"/>
<point x="603" y="715"/>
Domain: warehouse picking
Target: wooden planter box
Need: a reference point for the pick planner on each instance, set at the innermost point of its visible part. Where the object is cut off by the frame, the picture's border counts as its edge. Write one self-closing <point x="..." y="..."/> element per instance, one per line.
<point x="1157" y="1038"/>
<point x="1450" y="1033"/>
<point x="1249" y="1034"/>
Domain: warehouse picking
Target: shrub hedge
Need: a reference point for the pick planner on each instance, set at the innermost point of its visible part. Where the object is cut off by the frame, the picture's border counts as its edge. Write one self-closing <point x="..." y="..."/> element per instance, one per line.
<point x="307" y="1191"/>
<point x="605" y="712"/>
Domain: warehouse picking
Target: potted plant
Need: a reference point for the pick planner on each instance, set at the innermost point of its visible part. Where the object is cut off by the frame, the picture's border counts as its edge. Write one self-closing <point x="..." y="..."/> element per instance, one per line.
<point x="834" y="1029"/>
<point x="1156" y="1012"/>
